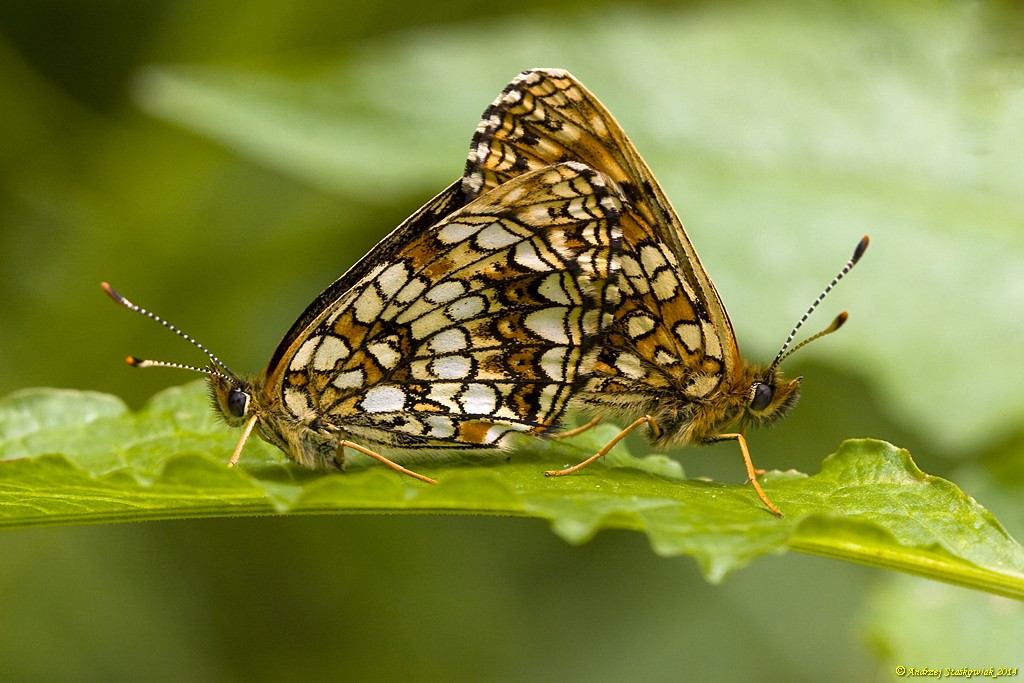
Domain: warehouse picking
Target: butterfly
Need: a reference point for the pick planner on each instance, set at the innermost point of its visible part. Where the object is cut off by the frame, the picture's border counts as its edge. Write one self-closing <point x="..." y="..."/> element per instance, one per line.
<point x="470" y="322"/>
<point x="669" y="358"/>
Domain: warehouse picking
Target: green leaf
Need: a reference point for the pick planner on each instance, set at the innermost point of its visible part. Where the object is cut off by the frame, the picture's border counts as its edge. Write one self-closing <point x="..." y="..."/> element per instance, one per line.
<point x="71" y="457"/>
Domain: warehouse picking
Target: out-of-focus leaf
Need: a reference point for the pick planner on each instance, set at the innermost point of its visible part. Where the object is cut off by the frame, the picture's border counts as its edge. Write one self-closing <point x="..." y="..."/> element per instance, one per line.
<point x="919" y="624"/>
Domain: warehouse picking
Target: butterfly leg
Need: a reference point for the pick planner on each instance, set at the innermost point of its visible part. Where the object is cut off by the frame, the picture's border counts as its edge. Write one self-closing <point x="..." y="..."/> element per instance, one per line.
<point x="610" y="445"/>
<point x="577" y="430"/>
<point x="241" y="442"/>
<point x="751" y="472"/>
<point x="381" y="459"/>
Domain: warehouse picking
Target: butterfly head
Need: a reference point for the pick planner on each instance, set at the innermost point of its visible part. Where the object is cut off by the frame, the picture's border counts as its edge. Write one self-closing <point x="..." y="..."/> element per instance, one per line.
<point x="771" y="397"/>
<point x="232" y="397"/>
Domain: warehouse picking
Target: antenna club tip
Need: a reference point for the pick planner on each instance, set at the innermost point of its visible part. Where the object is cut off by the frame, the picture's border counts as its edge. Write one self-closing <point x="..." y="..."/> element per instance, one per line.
<point x="133" y="361"/>
<point x="112" y="293"/>
<point x="862" y="246"/>
<point x="840" y="320"/>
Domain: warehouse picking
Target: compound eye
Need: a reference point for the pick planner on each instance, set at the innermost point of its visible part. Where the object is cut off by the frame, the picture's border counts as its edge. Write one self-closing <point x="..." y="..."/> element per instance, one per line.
<point x="238" y="402"/>
<point x="762" y="396"/>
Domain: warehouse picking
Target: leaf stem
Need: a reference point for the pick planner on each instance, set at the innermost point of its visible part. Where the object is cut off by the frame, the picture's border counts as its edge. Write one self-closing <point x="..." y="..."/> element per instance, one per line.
<point x="924" y="563"/>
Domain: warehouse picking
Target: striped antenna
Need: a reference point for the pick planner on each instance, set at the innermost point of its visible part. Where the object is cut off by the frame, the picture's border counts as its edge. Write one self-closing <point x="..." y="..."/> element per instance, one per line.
<point x="836" y="324"/>
<point x="142" y="363"/>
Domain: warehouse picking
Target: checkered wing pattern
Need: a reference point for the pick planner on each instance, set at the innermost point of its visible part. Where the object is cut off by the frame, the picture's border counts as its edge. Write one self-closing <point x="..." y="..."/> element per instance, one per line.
<point x="671" y="333"/>
<point x="469" y="325"/>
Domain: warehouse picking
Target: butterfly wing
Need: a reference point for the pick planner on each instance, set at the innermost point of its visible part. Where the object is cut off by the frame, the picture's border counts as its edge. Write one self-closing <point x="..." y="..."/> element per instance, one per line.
<point x="454" y="334"/>
<point x="671" y="329"/>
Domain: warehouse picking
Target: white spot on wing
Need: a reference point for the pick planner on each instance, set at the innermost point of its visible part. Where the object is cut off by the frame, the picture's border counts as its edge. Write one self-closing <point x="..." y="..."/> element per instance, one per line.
<point x="385" y="354"/>
<point x="412" y="290"/>
<point x="448" y="341"/>
<point x="451" y="367"/>
<point x="629" y="365"/>
<point x="444" y="393"/>
<point x="652" y="258"/>
<point x="368" y="306"/>
<point x="296" y="401"/>
<point x="463" y="309"/>
<point x="352" y="379"/>
<point x="633" y="271"/>
<point x="383" y="399"/>
<point x="393" y="279"/>
<point x="552" y="362"/>
<point x="663" y="358"/>
<point x="302" y="357"/>
<point x="665" y="285"/>
<point x="423" y="325"/>
<point x="552" y="288"/>
<point x="331" y="350"/>
<point x="713" y="345"/>
<point x="495" y="236"/>
<point x="690" y="335"/>
<point x="455" y="232"/>
<point x="580" y="208"/>
<point x="549" y="323"/>
<point x="479" y="399"/>
<point x="440" y="427"/>
<point x="526" y="256"/>
<point x="474" y="182"/>
<point x="446" y="291"/>
<point x="639" y="326"/>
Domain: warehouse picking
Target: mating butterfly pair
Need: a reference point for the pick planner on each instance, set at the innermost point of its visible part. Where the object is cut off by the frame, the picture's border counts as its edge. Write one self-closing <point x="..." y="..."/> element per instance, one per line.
<point x="553" y="276"/>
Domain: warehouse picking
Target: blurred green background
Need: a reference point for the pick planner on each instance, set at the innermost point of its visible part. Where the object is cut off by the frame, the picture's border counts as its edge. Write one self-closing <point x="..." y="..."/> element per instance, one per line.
<point x="221" y="162"/>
